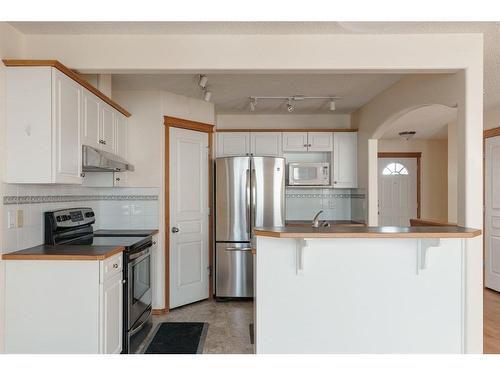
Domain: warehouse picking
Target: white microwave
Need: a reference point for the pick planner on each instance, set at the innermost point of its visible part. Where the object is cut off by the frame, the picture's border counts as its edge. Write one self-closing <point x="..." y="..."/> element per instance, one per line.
<point x="308" y="174"/>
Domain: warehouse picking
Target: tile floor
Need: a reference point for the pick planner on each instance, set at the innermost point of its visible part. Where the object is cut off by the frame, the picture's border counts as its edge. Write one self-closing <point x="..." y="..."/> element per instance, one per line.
<point x="228" y="324"/>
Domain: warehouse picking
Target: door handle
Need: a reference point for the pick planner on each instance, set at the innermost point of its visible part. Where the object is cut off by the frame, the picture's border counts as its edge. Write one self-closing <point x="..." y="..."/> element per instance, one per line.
<point x="175" y="229"/>
<point x="238" y="249"/>
<point x="247" y="202"/>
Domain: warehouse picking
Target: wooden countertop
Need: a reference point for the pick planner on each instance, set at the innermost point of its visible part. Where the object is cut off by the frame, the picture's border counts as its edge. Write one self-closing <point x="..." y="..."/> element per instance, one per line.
<point x="62" y="252"/>
<point x="368" y="232"/>
<point x="430" y="223"/>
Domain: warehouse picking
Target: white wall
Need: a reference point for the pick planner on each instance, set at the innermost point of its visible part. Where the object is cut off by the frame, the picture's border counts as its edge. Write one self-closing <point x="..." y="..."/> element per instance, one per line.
<point x="12" y="45"/>
<point x="433" y="172"/>
<point x="452" y="172"/>
<point x="491" y="118"/>
<point x="282" y="121"/>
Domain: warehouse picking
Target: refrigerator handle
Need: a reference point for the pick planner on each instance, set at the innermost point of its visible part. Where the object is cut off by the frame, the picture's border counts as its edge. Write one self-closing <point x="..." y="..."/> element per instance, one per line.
<point x="253" y="200"/>
<point x="247" y="200"/>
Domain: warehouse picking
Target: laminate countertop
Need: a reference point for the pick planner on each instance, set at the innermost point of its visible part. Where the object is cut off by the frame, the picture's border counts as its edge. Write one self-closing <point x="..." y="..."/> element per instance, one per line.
<point x="367" y="232"/>
<point x="64" y="252"/>
<point x="308" y="223"/>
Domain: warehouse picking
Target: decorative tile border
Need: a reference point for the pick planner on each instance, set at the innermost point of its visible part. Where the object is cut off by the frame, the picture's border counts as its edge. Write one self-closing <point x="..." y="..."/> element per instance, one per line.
<point x="34" y="199"/>
<point x="319" y="195"/>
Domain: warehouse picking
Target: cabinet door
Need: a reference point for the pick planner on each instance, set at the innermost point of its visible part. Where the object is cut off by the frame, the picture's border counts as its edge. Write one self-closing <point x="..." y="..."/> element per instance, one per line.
<point x="111" y="315"/>
<point x="107" y="138"/>
<point x="67" y="105"/>
<point x="121" y="133"/>
<point x="294" y="141"/>
<point x="345" y="174"/>
<point x="233" y="144"/>
<point x="265" y="144"/>
<point x="90" y="124"/>
<point x="320" y="141"/>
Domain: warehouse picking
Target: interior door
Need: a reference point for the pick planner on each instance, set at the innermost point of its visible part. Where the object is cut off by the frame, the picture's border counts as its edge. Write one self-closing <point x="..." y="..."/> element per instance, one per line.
<point x="397" y="191"/>
<point x="492" y="214"/>
<point x="189" y="248"/>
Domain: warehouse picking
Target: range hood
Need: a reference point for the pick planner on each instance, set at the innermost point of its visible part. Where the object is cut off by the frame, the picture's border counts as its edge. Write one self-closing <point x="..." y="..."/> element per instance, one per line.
<point x="95" y="160"/>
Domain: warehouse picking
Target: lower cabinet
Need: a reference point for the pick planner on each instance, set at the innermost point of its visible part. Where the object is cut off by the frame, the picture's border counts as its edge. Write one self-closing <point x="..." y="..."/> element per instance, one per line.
<point x="64" y="306"/>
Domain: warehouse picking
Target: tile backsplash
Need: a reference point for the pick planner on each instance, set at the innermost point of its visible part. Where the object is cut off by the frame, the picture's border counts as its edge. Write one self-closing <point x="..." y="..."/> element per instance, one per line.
<point x="304" y="203"/>
<point x="115" y="208"/>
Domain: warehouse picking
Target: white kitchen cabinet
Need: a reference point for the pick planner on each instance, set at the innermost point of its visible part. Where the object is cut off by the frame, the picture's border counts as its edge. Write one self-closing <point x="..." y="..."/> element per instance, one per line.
<point x="44" y="115"/>
<point x="121" y="147"/>
<point x="319" y="141"/>
<point x="266" y="143"/>
<point x="91" y="124"/>
<point x="232" y="144"/>
<point x="107" y="128"/>
<point x="294" y="141"/>
<point x="307" y="141"/>
<point x="345" y="174"/>
<point x="111" y="319"/>
<point x="64" y="306"/>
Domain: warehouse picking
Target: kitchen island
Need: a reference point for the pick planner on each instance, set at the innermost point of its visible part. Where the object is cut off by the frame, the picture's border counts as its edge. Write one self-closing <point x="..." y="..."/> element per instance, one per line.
<point x="361" y="289"/>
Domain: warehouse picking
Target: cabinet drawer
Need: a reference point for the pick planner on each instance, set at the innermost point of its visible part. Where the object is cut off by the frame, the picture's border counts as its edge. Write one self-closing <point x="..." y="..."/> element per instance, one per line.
<point x="110" y="267"/>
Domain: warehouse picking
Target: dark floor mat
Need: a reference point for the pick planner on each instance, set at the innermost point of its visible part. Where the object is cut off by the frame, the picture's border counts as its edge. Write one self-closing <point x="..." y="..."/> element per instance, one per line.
<point x="178" y="338"/>
<point x="251" y="327"/>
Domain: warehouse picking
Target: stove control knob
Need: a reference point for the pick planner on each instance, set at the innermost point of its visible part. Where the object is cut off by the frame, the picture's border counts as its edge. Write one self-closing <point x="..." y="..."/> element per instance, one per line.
<point x="58" y="219"/>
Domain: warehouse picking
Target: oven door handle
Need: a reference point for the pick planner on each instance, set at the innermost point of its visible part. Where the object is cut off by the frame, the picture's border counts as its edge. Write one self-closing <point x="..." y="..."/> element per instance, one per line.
<point x="133" y="331"/>
<point x="138" y="255"/>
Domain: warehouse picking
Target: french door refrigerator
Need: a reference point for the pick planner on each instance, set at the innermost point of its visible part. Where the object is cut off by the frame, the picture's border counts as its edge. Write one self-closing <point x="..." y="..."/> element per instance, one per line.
<point x="249" y="192"/>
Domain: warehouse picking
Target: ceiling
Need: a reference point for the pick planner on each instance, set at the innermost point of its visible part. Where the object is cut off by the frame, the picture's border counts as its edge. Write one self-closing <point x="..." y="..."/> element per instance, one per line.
<point x="429" y="122"/>
<point x="231" y="92"/>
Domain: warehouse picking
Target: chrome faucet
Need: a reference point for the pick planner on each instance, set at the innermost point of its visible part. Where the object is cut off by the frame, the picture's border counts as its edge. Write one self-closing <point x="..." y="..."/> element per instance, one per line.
<point x="315" y="222"/>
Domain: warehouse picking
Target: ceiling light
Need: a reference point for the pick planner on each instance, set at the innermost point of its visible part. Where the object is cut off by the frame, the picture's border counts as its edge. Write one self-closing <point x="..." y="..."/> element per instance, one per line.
<point x="253" y="104"/>
<point x="203" y="81"/>
<point x="207" y="95"/>
<point x="289" y="106"/>
<point x="407" y="134"/>
<point x="332" y="105"/>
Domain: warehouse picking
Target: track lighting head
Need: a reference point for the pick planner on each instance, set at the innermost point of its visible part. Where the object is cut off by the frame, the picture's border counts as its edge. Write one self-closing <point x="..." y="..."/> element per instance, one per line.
<point x="202" y="82"/>
<point x="289" y="106"/>
<point x="332" y="105"/>
<point x="253" y="104"/>
<point x="207" y="95"/>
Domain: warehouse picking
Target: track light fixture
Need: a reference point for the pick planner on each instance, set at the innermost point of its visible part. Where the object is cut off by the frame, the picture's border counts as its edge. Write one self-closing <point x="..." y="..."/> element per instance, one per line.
<point x="207" y="95"/>
<point x="290" y="100"/>
<point x="253" y="104"/>
<point x="203" y="80"/>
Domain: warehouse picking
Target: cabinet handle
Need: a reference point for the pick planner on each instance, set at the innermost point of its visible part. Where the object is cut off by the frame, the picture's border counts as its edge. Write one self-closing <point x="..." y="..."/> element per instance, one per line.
<point x="103" y="142"/>
<point x="334" y="182"/>
<point x="82" y="174"/>
<point x="305" y="145"/>
<point x="154" y="242"/>
<point x="309" y="145"/>
<point x="115" y="265"/>
<point x="117" y="179"/>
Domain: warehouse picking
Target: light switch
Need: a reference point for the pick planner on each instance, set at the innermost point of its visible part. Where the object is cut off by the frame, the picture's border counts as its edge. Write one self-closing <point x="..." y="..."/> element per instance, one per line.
<point x="20" y="218"/>
<point x="11" y="219"/>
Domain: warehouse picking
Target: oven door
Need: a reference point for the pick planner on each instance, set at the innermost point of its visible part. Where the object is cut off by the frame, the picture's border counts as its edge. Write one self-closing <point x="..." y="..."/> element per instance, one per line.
<point x="139" y="286"/>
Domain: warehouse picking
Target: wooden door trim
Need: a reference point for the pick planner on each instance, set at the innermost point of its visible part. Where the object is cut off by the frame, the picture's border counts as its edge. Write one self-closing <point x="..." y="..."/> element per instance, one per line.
<point x="416" y="155"/>
<point x="174" y="122"/>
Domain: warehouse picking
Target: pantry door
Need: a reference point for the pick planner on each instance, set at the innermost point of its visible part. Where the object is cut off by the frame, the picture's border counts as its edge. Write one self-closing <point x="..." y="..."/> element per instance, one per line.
<point x="492" y="213"/>
<point x="189" y="249"/>
<point x="398" y="189"/>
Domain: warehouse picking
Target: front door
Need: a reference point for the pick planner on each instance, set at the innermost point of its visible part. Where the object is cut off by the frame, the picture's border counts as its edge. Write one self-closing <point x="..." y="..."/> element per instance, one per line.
<point x="492" y="214"/>
<point x="397" y="191"/>
<point x="189" y="248"/>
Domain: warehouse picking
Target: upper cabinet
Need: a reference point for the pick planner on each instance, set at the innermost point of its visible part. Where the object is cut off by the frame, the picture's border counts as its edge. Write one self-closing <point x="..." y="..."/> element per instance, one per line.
<point x="265" y="144"/>
<point x="345" y="145"/>
<point x="248" y="143"/>
<point x="233" y="144"/>
<point x="307" y="141"/>
<point x="44" y="115"/>
<point x="51" y="112"/>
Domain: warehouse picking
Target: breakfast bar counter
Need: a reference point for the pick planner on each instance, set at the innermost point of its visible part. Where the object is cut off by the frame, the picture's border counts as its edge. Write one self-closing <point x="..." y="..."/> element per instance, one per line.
<point x="361" y="289"/>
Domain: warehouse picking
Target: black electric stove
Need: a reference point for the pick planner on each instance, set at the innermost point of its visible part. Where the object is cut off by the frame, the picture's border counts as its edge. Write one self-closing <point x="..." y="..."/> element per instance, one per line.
<point x="74" y="227"/>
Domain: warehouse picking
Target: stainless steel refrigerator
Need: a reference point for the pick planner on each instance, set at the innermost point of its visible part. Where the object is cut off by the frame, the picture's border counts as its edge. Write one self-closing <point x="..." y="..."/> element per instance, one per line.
<point x="249" y="192"/>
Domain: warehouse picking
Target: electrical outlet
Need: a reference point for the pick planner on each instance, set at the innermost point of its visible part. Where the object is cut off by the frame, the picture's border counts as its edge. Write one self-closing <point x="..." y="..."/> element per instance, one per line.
<point x="11" y="219"/>
<point x="20" y="218"/>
